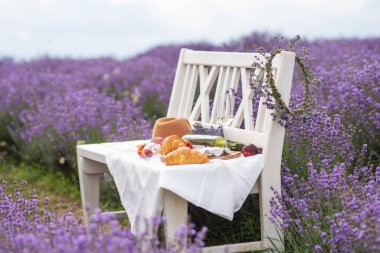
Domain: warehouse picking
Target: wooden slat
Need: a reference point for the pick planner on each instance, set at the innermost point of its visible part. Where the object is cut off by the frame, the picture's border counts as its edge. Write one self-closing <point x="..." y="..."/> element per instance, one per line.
<point x="260" y="116"/>
<point x="240" y="135"/>
<point x="233" y="59"/>
<point x="217" y="94"/>
<point x="267" y="119"/>
<point x="248" y="96"/>
<point x="97" y="152"/>
<point x="231" y="248"/>
<point x="118" y="214"/>
<point x="178" y="79"/>
<point x="211" y="79"/>
<point x="190" y="91"/>
<point x="202" y="104"/>
<point x="204" y="97"/>
<point x="244" y="110"/>
<point x="226" y="83"/>
<point x="238" y="119"/>
<point x="234" y="84"/>
<point x="196" y="110"/>
<point x="180" y="100"/>
<point x="246" y="137"/>
<point x="235" y="78"/>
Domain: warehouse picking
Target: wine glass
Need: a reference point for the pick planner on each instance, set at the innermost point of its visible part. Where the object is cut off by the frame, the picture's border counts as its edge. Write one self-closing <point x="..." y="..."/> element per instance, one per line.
<point x="225" y="111"/>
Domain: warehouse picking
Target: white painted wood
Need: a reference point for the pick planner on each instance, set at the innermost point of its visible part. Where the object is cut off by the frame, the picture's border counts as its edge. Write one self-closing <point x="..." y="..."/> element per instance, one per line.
<point x="117" y="214"/>
<point x="196" y="112"/>
<point x="271" y="175"/>
<point x="246" y="137"/>
<point x="190" y="90"/>
<point x="89" y="188"/>
<point x="226" y="69"/>
<point x="233" y="59"/>
<point x="259" y="125"/>
<point x="239" y="247"/>
<point x="218" y="92"/>
<point x="175" y="210"/>
<point x="185" y="85"/>
<point x="202" y="105"/>
<point x="255" y="189"/>
<point x="97" y="153"/>
<point x="235" y="78"/>
<point x="248" y="94"/>
<point x="245" y="111"/>
<point x="204" y="98"/>
<point x="177" y="85"/>
<point x="226" y="83"/>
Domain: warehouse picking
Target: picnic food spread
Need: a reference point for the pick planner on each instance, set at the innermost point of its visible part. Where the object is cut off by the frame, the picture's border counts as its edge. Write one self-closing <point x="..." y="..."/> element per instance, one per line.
<point x="180" y="147"/>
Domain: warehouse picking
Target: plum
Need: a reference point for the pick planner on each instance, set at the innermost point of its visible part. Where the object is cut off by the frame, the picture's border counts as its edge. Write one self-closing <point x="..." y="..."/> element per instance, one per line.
<point x="250" y="150"/>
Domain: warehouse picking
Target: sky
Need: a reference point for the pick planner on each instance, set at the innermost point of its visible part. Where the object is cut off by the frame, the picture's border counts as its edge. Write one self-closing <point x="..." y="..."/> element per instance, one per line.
<point x="123" y="28"/>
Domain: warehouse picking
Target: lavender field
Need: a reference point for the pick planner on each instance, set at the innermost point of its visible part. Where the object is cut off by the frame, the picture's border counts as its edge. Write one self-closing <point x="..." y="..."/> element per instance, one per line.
<point x="330" y="198"/>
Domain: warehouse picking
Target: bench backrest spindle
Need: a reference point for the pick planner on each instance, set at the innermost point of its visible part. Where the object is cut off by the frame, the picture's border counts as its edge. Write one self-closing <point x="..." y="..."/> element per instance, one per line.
<point x="219" y="71"/>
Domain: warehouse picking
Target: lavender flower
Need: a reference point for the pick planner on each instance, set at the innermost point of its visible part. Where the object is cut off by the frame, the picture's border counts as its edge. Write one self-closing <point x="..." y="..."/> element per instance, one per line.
<point x="26" y="227"/>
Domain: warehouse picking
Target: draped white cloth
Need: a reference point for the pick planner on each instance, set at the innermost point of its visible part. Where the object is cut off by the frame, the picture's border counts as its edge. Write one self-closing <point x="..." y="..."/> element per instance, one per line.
<point x="220" y="186"/>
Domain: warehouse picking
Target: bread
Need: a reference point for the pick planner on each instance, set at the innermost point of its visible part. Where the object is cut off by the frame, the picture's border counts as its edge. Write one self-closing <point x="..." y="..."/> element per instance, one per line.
<point x="171" y="143"/>
<point x="185" y="155"/>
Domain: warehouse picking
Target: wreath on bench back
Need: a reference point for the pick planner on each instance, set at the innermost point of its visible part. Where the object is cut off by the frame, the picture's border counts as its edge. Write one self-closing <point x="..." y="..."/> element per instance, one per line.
<point x="269" y="91"/>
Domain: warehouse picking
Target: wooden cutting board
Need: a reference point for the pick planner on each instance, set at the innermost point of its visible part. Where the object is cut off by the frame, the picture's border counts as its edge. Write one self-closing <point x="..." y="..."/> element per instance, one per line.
<point x="226" y="157"/>
<point x="223" y="157"/>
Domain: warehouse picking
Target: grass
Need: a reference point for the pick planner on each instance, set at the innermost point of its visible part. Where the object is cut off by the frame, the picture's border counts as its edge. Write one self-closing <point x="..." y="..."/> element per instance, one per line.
<point x="63" y="192"/>
<point x="244" y="228"/>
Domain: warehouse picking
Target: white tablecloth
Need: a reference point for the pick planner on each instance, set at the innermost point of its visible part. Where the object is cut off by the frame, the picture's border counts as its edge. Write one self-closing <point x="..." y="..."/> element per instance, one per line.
<point x="220" y="186"/>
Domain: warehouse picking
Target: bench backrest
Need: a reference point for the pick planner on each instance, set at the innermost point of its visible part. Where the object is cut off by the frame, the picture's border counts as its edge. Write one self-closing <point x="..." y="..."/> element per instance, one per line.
<point x="199" y="71"/>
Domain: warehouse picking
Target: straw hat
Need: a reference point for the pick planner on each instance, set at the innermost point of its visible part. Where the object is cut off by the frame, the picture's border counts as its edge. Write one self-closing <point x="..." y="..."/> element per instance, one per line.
<point x="169" y="126"/>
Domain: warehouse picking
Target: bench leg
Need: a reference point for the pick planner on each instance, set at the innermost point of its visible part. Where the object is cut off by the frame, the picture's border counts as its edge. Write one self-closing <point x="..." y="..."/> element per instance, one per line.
<point x="175" y="210"/>
<point x="270" y="237"/>
<point x="89" y="188"/>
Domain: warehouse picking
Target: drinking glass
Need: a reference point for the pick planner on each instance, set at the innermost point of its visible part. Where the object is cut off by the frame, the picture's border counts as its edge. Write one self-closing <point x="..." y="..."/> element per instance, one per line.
<point x="225" y="110"/>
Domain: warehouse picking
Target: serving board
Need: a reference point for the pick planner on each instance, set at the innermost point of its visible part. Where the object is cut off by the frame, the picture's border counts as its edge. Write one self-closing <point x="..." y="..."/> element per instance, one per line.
<point x="226" y="157"/>
<point x="223" y="157"/>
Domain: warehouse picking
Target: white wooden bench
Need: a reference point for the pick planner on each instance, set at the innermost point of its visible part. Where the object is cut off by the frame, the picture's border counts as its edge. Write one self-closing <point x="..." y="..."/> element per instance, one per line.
<point x="207" y="69"/>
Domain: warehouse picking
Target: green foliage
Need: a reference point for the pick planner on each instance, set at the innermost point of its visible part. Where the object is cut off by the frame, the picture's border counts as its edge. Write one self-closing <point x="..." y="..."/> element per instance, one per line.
<point x="5" y="119"/>
<point x="55" y="183"/>
<point x="244" y="228"/>
<point x="46" y="182"/>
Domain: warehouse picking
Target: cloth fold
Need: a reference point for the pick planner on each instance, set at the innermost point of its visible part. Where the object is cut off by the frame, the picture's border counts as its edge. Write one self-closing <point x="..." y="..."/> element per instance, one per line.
<point x="220" y="186"/>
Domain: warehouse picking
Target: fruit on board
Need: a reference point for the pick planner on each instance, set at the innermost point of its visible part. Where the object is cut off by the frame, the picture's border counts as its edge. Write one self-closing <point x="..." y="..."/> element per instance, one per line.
<point x="188" y="144"/>
<point x="158" y="140"/>
<point x="250" y="150"/>
<point x="140" y="149"/>
<point x="147" y="153"/>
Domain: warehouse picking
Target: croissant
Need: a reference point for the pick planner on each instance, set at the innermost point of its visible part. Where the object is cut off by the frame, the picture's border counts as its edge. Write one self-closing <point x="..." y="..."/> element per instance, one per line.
<point x="171" y="143"/>
<point x="185" y="155"/>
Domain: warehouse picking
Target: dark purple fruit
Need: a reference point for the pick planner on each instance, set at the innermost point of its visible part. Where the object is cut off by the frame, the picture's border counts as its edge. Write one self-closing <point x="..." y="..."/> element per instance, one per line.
<point x="250" y="150"/>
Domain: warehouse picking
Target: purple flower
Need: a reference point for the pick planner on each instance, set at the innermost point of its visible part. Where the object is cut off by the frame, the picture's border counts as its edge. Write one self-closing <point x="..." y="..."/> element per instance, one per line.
<point x="28" y="228"/>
